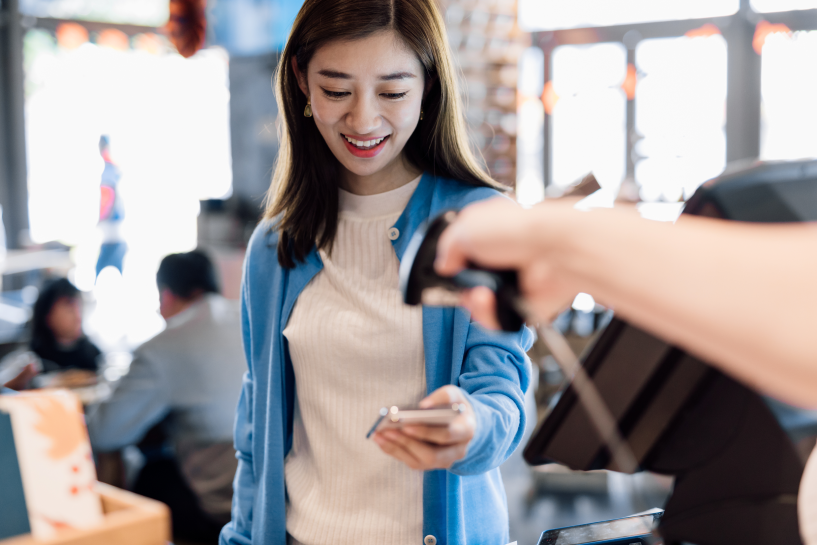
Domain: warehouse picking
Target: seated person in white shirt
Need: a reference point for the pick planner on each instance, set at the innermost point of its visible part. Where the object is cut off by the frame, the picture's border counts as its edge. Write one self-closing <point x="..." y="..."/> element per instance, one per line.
<point x="187" y="378"/>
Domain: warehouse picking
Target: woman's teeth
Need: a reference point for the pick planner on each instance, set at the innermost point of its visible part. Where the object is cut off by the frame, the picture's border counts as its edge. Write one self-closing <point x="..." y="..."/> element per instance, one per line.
<point x="364" y="144"/>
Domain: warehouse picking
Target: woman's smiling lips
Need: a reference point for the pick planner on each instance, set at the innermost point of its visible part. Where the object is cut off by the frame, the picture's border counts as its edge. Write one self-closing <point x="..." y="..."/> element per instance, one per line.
<point x="364" y="147"/>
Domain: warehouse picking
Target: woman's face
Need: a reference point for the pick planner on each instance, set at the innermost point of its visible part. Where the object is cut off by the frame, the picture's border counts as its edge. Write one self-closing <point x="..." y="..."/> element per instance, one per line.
<point x="366" y="98"/>
<point x="65" y="319"/>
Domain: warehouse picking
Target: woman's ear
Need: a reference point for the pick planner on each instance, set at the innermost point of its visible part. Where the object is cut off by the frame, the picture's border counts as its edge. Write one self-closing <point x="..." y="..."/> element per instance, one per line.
<point x="300" y="77"/>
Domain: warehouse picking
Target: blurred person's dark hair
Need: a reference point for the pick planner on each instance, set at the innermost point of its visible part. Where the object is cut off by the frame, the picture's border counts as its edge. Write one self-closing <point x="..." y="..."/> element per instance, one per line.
<point x="41" y="335"/>
<point x="187" y="274"/>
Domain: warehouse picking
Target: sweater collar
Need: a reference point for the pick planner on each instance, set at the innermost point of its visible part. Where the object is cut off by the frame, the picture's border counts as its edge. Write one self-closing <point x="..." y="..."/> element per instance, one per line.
<point x="416" y="212"/>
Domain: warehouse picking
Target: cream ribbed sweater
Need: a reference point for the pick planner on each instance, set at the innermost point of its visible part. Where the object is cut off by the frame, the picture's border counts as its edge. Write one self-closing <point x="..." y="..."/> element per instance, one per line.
<point x="355" y="348"/>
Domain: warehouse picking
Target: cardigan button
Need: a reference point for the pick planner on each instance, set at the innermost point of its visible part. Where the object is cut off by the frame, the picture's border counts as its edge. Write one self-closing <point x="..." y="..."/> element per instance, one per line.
<point x="430" y="540"/>
<point x="394" y="234"/>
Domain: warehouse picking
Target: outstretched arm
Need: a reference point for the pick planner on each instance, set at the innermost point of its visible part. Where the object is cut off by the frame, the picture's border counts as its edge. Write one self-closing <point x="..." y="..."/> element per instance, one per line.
<point x="738" y="295"/>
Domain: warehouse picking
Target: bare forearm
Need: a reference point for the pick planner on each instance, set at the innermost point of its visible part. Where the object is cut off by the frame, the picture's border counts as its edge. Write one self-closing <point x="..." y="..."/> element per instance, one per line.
<point x="737" y="295"/>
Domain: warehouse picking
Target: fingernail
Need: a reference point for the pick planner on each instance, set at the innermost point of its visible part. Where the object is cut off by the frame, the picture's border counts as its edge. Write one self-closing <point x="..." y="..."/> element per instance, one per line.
<point x="410" y="430"/>
<point x="377" y="439"/>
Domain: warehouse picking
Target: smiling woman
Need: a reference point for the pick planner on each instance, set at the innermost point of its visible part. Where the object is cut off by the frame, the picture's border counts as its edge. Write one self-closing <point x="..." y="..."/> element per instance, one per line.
<point x="388" y="61"/>
<point x="373" y="145"/>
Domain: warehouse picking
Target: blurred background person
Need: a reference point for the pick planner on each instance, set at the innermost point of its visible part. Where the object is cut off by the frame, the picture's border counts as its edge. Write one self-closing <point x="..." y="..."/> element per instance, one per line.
<point x="56" y="334"/>
<point x="57" y="343"/>
<point x="111" y="212"/>
<point x="183" y="388"/>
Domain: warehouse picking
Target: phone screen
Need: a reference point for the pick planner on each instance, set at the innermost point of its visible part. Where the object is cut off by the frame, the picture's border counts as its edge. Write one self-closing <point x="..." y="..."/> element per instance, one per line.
<point x="600" y="531"/>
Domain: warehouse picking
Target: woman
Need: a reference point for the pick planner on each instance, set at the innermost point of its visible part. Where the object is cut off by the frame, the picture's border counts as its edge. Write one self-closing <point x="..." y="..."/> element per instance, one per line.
<point x="373" y="144"/>
<point x="57" y="336"/>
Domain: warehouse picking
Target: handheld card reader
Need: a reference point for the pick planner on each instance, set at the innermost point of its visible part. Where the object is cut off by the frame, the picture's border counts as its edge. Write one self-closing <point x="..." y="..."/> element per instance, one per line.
<point x="420" y="283"/>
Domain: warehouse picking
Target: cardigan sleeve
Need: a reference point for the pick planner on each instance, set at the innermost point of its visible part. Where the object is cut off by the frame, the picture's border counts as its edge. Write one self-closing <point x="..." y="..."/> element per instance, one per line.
<point x="239" y="530"/>
<point x="495" y="376"/>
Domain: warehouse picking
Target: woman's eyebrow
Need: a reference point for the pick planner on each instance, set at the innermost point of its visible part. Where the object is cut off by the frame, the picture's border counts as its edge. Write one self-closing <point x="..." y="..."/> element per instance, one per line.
<point x="397" y="75"/>
<point x="388" y="77"/>
<point x="334" y="74"/>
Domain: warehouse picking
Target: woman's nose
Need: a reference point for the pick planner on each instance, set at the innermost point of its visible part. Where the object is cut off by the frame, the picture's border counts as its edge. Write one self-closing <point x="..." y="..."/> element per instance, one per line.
<point x="364" y="116"/>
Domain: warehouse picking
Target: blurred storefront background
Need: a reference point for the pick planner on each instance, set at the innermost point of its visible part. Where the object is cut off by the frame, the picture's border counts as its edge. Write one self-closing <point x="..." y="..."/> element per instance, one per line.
<point x="653" y="97"/>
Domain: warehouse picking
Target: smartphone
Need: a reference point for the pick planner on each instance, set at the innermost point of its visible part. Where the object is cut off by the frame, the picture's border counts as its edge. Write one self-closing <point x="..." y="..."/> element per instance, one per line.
<point x="635" y="530"/>
<point x="395" y="417"/>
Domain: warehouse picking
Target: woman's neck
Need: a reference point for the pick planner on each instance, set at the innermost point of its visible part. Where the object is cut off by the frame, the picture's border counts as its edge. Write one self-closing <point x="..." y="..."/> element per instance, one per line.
<point x="397" y="174"/>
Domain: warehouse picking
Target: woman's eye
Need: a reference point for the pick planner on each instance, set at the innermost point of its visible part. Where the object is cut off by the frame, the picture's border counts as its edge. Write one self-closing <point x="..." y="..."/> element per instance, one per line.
<point x="394" y="96"/>
<point x="335" y="94"/>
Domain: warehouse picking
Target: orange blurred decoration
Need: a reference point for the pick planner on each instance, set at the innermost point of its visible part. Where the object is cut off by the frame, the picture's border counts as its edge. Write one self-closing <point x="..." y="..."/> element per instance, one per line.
<point x="71" y="35"/>
<point x="549" y="98"/>
<point x="703" y="32"/>
<point x="148" y="42"/>
<point x="629" y="81"/>
<point x="762" y="31"/>
<point x="186" y="26"/>
<point x="115" y="39"/>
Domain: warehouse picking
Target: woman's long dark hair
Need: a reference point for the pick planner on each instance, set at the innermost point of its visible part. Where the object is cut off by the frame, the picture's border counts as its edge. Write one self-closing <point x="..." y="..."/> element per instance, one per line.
<point x="303" y="195"/>
<point x="42" y="338"/>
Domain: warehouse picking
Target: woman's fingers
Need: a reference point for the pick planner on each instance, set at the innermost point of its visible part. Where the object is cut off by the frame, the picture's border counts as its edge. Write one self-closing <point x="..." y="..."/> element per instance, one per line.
<point x="461" y="429"/>
<point x="432" y="447"/>
<point x="20" y="382"/>
<point x="424" y="455"/>
<point x="396" y="450"/>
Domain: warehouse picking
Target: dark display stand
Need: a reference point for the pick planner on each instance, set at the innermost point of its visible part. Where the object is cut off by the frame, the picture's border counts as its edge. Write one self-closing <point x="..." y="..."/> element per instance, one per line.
<point x="737" y="472"/>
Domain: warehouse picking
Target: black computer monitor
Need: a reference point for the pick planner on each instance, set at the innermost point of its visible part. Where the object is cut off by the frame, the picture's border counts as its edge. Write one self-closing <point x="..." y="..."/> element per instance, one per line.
<point x="737" y="472"/>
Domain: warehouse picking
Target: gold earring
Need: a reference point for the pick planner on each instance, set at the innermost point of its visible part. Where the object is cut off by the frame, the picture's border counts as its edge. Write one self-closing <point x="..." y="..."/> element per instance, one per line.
<point x="308" y="108"/>
<point x="421" y="114"/>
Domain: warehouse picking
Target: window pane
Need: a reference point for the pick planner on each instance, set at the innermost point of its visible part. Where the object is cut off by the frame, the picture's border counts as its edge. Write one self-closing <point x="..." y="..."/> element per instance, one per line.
<point x="589" y="118"/>
<point x="556" y="14"/>
<point x="680" y="115"/>
<point x="136" y="12"/>
<point x="766" y="6"/>
<point x="789" y="87"/>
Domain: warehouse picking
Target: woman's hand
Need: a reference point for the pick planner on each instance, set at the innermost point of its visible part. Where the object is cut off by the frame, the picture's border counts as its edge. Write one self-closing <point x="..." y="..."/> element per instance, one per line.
<point x="432" y="447"/>
<point x="20" y="382"/>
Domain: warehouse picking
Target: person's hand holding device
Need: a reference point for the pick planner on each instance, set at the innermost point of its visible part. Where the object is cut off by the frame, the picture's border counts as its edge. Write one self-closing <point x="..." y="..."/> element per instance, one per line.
<point x="427" y="447"/>
<point x="499" y="234"/>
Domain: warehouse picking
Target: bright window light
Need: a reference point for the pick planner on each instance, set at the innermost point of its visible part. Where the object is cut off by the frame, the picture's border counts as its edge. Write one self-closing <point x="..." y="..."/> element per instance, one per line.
<point x="530" y="141"/>
<point x="589" y="113"/>
<point x="788" y="87"/>
<point x="680" y="105"/>
<point x="767" y="6"/>
<point x="168" y="122"/>
<point x="536" y="15"/>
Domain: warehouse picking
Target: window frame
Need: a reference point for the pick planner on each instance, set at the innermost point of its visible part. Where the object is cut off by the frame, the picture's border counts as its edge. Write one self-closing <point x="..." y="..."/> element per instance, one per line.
<point x="743" y="101"/>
